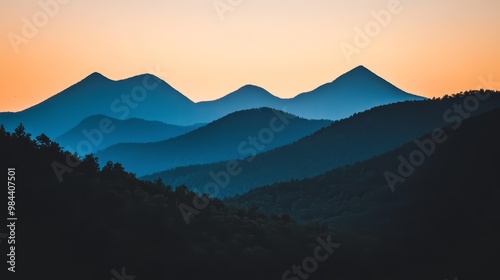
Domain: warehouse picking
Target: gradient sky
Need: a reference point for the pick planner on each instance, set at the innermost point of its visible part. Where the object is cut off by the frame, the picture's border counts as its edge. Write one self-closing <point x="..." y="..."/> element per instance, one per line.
<point x="430" y="48"/>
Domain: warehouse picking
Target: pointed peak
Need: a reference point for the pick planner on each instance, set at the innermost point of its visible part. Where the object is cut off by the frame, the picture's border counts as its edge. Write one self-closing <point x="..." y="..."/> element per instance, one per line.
<point x="96" y="76"/>
<point x="360" y="69"/>
<point x="359" y="72"/>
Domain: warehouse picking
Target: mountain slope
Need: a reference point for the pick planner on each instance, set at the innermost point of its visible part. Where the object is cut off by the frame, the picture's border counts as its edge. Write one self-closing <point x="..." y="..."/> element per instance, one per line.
<point x="355" y="91"/>
<point x="149" y="98"/>
<point x="144" y="96"/>
<point x="462" y="154"/>
<point x="134" y="218"/>
<point x="88" y="133"/>
<point x="445" y="214"/>
<point x="357" y="138"/>
<point x="233" y="136"/>
<point x="244" y="98"/>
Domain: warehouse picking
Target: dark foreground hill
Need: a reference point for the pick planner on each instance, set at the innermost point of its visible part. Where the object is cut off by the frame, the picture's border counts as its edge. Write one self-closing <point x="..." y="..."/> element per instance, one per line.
<point x="100" y="223"/>
<point x="236" y="135"/>
<point x="444" y="210"/>
<point x="97" y="223"/>
<point x="347" y="141"/>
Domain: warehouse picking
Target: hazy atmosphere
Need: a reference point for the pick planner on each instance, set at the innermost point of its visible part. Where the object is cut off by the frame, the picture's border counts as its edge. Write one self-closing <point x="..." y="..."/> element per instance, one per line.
<point x="206" y="49"/>
<point x="250" y="139"/>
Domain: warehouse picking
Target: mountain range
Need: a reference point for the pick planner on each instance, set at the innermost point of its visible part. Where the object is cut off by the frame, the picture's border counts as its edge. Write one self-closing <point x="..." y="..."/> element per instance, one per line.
<point x="441" y="220"/>
<point x="352" y="196"/>
<point x="344" y="142"/>
<point x="149" y="98"/>
<point x="404" y="190"/>
<point x="234" y="136"/>
<point x="443" y="214"/>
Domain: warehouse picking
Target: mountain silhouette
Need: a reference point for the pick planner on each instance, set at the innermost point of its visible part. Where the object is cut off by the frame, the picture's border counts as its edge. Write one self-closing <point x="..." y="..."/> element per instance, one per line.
<point x="87" y="136"/>
<point x="148" y="97"/>
<point x="442" y="220"/>
<point x="244" y="98"/>
<point x="220" y="140"/>
<point x="446" y="208"/>
<point x="134" y="218"/>
<point x="145" y="96"/>
<point x="344" y="142"/>
<point x="355" y="91"/>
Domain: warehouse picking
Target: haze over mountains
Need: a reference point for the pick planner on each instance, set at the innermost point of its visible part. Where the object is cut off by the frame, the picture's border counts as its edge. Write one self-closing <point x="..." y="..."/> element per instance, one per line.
<point x="234" y="136"/>
<point x="297" y="181"/>
<point x="98" y="95"/>
<point x="149" y="98"/>
<point x="351" y="197"/>
<point x="447" y="209"/>
<point x="442" y="220"/>
<point x="120" y="131"/>
<point x="344" y="142"/>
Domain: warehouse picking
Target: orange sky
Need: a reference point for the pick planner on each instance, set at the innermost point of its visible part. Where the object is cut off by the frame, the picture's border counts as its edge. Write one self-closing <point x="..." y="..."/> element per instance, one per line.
<point x="428" y="47"/>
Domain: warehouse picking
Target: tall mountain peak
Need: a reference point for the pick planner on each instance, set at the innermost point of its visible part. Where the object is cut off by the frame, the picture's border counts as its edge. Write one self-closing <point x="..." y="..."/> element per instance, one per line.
<point x="95" y="76"/>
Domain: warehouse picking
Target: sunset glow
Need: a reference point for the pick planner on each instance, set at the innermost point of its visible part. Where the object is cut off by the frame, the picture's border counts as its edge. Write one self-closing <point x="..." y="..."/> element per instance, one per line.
<point x="206" y="49"/>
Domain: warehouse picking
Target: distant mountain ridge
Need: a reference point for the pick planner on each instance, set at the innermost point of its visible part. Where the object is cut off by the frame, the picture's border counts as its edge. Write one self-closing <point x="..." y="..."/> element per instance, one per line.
<point x="446" y="209"/>
<point x="86" y="134"/>
<point x="234" y="136"/>
<point x="144" y="97"/>
<point x="362" y="188"/>
<point x="355" y="91"/>
<point x="150" y="98"/>
<point x="344" y="142"/>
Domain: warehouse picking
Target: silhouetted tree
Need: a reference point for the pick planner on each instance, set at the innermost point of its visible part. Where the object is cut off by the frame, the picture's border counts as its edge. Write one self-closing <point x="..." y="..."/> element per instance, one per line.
<point x="3" y="133"/>
<point x="159" y="182"/>
<point x="43" y="141"/>
<point x="253" y="211"/>
<point x="113" y="169"/>
<point x="20" y="132"/>
<point x="89" y="165"/>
